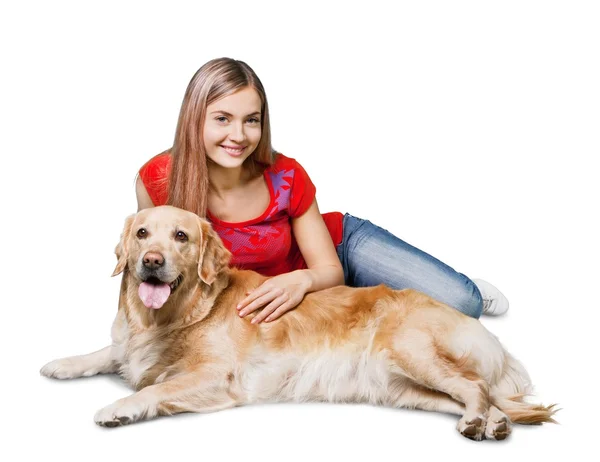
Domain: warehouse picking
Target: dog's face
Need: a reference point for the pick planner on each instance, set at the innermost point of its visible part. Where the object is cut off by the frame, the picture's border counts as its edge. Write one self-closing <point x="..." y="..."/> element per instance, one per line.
<point x="165" y="247"/>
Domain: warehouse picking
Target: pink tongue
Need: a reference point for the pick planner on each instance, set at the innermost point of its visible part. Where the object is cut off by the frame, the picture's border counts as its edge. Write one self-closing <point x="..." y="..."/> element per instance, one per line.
<point x="154" y="296"/>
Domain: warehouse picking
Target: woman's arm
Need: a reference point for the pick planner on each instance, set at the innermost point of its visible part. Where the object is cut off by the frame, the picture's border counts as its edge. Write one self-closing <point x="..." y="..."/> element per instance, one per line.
<point x="313" y="238"/>
<point x="284" y="292"/>
<point x="143" y="198"/>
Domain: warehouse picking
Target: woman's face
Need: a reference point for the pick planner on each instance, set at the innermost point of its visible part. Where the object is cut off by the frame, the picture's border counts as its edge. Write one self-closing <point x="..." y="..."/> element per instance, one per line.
<point x="232" y="128"/>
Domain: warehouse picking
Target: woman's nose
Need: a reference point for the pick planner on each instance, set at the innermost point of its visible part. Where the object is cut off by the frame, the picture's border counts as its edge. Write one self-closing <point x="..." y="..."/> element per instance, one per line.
<point x="237" y="133"/>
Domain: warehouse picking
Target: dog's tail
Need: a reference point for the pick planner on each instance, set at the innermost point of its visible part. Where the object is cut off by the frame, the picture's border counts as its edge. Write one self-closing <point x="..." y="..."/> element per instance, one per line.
<point x="509" y="394"/>
<point x="524" y="413"/>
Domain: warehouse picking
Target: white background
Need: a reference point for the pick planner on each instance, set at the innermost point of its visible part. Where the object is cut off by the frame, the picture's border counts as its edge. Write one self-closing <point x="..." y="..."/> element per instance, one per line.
<point x="469" y="129"/>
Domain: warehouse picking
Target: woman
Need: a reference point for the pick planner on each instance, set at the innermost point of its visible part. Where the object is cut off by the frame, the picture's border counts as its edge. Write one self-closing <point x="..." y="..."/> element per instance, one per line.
<point x="263" y="206"/>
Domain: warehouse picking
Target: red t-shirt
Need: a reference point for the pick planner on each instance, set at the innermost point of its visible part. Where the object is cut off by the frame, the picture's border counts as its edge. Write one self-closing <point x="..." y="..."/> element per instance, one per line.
<point x="264" y="244"/>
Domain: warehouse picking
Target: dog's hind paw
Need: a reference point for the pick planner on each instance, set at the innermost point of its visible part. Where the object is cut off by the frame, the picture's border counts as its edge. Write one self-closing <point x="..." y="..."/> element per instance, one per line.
<point x="498" y="425"/>
<point x="472" y="427"/>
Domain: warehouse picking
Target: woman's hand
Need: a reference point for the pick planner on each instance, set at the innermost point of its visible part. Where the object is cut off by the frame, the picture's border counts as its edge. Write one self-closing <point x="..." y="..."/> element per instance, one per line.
<point x="277" y="295"/>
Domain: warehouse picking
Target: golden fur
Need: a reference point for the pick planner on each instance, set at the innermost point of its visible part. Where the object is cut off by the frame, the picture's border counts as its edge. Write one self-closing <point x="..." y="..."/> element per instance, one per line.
<point x="376" y="345"/>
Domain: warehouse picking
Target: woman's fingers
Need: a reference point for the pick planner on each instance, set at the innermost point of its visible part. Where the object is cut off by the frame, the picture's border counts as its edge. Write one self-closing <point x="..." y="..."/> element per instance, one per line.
<point x="261" y="301"/>
<point x="258" y="292"/>
<point x="272" y="307"/>
<point x="279" y="311"/>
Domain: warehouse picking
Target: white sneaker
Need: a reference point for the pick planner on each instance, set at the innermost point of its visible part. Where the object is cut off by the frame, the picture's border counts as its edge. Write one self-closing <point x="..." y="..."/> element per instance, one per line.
<point x="494" y="301"/>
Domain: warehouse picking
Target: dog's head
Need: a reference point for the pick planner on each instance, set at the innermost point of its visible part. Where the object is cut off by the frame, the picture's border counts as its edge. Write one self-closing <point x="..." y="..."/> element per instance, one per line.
<point x="165" y="247"/>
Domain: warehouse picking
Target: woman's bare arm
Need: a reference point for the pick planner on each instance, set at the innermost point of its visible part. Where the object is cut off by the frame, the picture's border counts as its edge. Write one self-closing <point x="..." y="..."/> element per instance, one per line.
<point x="283" y="292"/>
<point x="313" y="238"/>
<point x="143" y="198"/>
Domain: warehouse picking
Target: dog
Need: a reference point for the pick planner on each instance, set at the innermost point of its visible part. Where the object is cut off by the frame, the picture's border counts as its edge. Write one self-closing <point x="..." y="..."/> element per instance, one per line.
<point x="178" y="340"/>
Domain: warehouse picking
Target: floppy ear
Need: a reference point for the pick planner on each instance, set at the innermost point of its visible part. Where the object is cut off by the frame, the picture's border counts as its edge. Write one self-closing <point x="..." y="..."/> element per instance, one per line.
<point x="121" y="249"/>
<point x="214" y="257"/>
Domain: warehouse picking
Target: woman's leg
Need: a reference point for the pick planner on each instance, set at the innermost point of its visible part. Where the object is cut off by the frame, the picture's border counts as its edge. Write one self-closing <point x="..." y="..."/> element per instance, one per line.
<point x="370" y="256"/>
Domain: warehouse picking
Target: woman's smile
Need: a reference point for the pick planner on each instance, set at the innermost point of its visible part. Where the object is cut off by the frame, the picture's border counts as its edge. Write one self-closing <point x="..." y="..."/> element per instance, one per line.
<point x="233" y="151"/>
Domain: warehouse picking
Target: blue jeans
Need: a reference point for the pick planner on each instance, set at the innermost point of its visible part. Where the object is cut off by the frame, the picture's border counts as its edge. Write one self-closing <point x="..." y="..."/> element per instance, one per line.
<point x="370" y="256"/>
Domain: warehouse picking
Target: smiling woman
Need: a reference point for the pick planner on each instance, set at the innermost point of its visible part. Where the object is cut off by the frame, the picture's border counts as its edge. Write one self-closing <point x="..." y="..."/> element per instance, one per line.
<point x="231" y="133"/>
<point x="263" y="206"/>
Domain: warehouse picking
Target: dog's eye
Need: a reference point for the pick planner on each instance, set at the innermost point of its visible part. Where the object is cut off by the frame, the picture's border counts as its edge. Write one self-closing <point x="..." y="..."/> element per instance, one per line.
<point x="142" y="233"/>
<point x="181" y="236"/>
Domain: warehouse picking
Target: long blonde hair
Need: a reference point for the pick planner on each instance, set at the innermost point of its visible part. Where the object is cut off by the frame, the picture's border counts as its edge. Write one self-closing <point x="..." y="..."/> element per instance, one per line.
<point x="188" y="180"/>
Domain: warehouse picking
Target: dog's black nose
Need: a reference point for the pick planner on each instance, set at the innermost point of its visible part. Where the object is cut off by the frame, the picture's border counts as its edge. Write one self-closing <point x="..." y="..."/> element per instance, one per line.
<point x="153" y="260"/>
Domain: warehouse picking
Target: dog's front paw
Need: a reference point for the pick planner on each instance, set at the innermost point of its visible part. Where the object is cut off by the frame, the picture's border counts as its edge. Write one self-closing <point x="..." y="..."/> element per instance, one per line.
<point x="121" y="412"/>
<point x="68" y="368"/>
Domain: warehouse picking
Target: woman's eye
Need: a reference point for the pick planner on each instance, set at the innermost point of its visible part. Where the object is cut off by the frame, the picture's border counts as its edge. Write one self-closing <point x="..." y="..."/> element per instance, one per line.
<point x="142" y="233"/>
<point x="181" y="236"/>
<point x="254" y="120"/>
<point x="221" y="119"/>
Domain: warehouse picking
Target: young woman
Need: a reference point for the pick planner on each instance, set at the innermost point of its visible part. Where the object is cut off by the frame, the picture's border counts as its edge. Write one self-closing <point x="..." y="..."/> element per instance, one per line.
<point x="262" y="204"/>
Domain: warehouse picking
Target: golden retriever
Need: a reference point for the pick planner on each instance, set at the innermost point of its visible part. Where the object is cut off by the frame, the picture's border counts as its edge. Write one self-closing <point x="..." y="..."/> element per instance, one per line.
<point x="179" y="341"/>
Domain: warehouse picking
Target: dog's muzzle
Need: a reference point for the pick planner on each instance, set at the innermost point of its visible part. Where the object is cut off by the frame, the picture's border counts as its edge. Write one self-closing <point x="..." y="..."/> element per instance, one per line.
<point x="157" y="286"/>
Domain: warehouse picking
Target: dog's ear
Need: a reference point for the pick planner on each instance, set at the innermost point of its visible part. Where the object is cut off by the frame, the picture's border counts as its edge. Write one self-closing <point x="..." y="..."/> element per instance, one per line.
<point x="121" y="249"/>
<point x="214" y="257"/>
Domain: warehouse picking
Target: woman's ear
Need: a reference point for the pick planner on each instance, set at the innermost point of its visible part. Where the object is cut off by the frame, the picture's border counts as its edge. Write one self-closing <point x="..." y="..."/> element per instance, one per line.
<point x="121" y="251"/>
<point x="214" y="257"/>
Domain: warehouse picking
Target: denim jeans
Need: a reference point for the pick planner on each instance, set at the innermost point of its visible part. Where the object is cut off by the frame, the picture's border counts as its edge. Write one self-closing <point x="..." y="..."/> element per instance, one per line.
<point x="370" y="256"/>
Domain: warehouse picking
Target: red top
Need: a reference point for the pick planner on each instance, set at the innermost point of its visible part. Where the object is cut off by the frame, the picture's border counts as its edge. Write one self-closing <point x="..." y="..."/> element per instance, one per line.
<point x="264" y="244"/>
